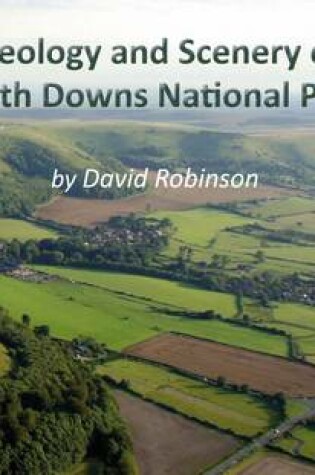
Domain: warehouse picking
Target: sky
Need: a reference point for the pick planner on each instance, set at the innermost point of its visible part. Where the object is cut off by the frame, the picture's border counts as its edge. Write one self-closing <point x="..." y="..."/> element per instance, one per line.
<point x="213" y="22"/>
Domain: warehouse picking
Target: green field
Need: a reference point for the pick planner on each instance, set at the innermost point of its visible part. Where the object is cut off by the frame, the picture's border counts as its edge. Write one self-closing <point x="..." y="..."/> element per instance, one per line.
<point x="292" y="253"/>
<point x="307" y="436"/>
<point x="297" y="319"/>
<point x="244" y="414"/>
<point x="158" y="290"/>
<point x="296" y="314"/>
<point x="301" y="440"/>
<point x="23" y="230"/>
<point x="281" y="207"/>
<point x="199" y="226"/>
<point x="5" y="361"/>
<point x="72" y="309"/>
<point x="207" y="232"/>
<point x="304" y="222"/>
<point x="307" y="346"/>
<point x="242" y="245"/>
<point x="295" y="407"/>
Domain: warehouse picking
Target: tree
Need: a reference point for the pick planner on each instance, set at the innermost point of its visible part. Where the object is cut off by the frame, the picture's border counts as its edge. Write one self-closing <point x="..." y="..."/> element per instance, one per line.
<point x="30" y="251"/>
<point x="239" y="301"/>
<point x="221" y="381"/>
<point x="26" y="319"/>
<point x="260" y="257"/>
<point x="219" y="261"/>
<point x="42" y="330"/>
<point x="14" y="249"/>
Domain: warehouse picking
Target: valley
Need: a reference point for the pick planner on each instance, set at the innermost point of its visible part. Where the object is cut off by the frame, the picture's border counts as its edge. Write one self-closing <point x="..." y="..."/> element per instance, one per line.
<point x="203" y="300"/>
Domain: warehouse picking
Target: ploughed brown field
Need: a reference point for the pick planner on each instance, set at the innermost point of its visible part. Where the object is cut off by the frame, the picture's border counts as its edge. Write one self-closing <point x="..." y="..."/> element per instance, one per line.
<point x="274" y="465"/>
<point x="169" y="444"/>
<point x="265" y="373"/>
<point x="84" y="212"/>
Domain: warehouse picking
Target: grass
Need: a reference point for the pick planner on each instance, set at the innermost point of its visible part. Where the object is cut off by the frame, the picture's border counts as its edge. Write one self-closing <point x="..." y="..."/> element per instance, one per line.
<point x="160" y="290"/>
<point x="199" y="226"/>
<point x="307" y="436"/>
<point x="295" y="407"/>
<point x="206" y="232"/>
<point x="22" y="230"/>
<point x="307" y="346"/>
<point x="176" y="294"/>
<point x="291" y="253"/>
<point x="296" y="314"/>
<point x="304" y="222"/>
<point x="74" y="309"/>
<point x="301" y="440"/>
<point x="297" y="319"/>
<point x="288" y="444"/>
<point x="86" y="468"/>
<point x="243" y="414"/>
<point x="281" y="207"/>
<point x="5" y="361"/>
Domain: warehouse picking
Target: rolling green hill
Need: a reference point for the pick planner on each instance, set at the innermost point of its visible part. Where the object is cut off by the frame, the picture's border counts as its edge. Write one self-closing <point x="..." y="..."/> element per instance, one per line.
<point x="28" y="157"/>
<point x="30" y="151"/>
<point x="139" y="145"/>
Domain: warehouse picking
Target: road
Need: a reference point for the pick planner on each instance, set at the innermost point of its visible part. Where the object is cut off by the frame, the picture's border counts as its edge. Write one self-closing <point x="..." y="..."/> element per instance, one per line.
<point x="262" y="441"/>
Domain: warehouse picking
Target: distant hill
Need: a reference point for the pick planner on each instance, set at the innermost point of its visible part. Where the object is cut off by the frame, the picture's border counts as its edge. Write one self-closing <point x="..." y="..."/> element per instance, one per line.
<point x="30" y="151"/>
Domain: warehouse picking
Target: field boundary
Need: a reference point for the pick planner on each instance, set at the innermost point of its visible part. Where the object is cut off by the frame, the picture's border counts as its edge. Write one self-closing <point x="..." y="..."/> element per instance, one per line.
<point x="287" y="365"/>
<point x="211" y="340"/>
<point x="173" y="410"/>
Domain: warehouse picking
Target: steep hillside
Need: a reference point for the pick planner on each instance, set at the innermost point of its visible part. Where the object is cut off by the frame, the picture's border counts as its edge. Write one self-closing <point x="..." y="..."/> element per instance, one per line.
<point x="29" y="152"/>
<point x="156" y="145"/>
<point x="28" y="157"/>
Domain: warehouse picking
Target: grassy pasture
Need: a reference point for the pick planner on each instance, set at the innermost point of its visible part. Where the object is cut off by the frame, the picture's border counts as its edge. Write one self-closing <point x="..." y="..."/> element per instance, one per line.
<point x="199" y="226"/>
<point x="291" y="253"/>
<point x="283" y="315"/>
<point x="281" y="207"/>
<point x="307" y="436"/>
<point x="304" y="222"/>
<point x="295" y="314"/>
<point x="243" y="414"/>
<point x="307" y="346"/>
<point x="74" y="309"/>
<point x="300" y="440"/>
<point x="280" y="257"/>
<point x="22" y="230"/>
<point x="206" y="232"/>
<point x="159" y="290"/>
